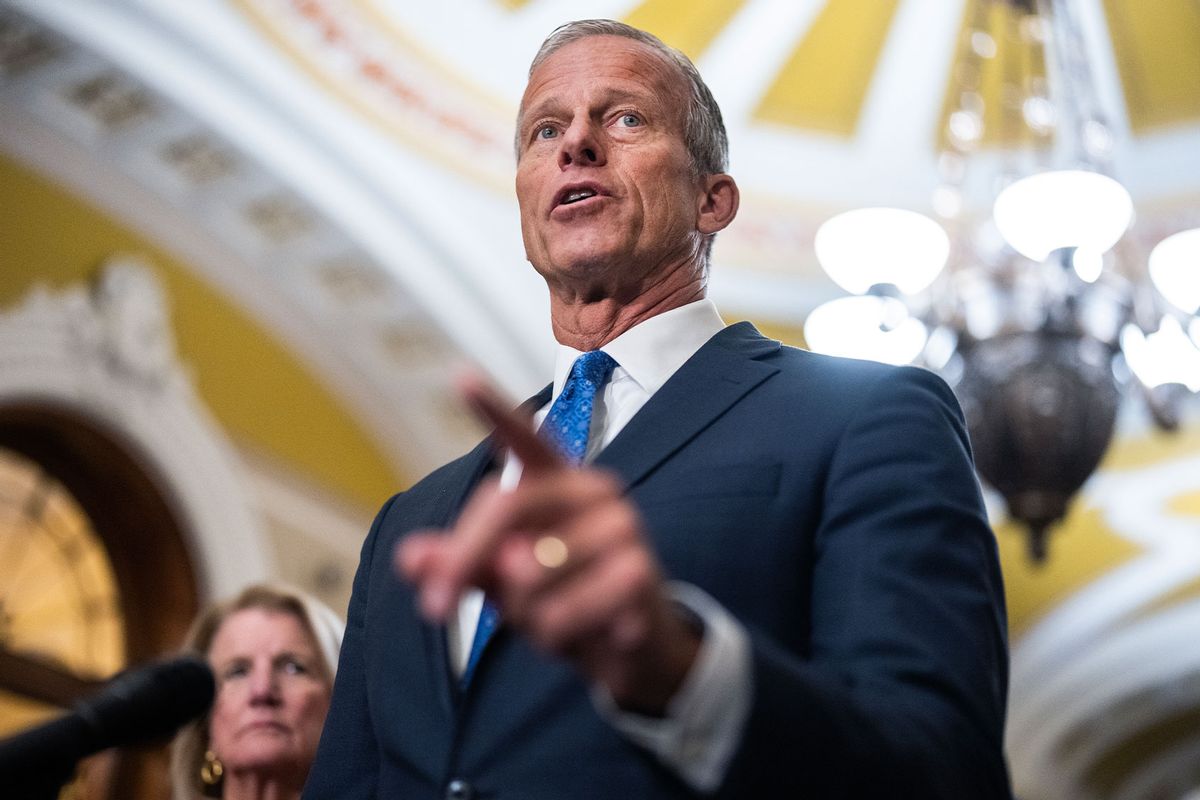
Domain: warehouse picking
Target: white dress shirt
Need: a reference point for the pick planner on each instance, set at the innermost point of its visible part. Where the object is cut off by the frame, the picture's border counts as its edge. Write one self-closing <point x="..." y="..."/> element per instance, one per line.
<point x="700" y="731"/>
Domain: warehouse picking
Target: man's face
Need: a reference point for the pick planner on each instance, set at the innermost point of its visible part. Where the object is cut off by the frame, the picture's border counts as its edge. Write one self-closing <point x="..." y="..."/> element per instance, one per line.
<point x="607" y="194"/>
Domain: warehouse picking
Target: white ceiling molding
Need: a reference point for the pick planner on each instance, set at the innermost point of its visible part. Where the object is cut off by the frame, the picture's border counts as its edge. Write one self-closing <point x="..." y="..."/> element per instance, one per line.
<point x="173" y="177"/>
<point x="105" y="354"/>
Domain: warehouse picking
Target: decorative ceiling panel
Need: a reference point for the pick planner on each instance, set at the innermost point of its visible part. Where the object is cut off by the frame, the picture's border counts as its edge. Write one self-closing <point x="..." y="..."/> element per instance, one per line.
<point x="822" y="85"/>
<point x="692" y="29"/>
<point x="1000" y="62"/>
<point x="1157" y="47"/>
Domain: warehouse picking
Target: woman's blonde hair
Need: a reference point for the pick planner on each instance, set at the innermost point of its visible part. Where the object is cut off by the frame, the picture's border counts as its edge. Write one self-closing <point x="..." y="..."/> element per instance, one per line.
<point x="321" y="623"/>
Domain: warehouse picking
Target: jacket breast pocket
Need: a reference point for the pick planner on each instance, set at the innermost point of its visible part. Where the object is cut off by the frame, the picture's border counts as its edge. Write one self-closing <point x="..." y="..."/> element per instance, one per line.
<point x="716" y="481"/>
<point x="729" y="529"/>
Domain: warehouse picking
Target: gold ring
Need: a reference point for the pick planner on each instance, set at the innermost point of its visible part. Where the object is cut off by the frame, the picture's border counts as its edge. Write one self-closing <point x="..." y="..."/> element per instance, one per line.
<point x="550" y="551"/>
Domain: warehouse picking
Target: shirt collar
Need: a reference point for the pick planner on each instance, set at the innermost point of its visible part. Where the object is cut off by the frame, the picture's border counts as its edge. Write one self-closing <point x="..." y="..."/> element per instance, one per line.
<point x="651" y="351"/>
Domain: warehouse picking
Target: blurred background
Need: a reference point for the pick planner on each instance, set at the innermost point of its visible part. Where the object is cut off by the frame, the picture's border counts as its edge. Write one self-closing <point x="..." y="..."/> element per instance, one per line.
<point x="245" y="245"/>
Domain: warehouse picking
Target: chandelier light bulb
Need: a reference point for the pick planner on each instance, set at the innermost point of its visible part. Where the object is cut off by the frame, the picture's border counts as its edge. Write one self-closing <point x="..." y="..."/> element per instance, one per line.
<point x="983" y="44"/>
<point x="1165" y="356"/>
<point x="869" y="327"/>
<point x="1175" y="269"/>
<point x="947" y="201"/>
<point x="1038" y="113"/>
<point x="1087" y="264"/>
<point x="965" y="127"/>
<point x="1097" y="139"/>
<point x="1066" y="208"/>
<point x="869" y="246"/>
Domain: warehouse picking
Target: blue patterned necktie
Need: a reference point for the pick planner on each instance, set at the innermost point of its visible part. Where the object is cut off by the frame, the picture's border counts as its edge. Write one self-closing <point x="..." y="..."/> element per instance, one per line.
<point x="566" y="426"/>
<point x="570" y="418"/>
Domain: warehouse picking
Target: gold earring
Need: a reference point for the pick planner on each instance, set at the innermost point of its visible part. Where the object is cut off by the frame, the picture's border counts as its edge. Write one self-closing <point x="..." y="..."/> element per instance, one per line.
<point x="212" y="769"/>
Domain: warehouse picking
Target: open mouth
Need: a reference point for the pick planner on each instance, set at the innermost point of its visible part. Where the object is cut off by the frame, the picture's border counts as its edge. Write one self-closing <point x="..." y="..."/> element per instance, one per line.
<point x="569" y="195"/>
<point x="577" y="195"/>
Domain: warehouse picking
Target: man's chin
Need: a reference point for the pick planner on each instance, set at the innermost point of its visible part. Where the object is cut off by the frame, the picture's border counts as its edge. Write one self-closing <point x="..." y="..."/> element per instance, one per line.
<point x="586" y="261"/>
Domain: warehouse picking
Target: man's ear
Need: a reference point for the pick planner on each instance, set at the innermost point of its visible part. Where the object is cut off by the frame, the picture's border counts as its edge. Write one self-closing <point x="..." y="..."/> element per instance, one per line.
<point x="718" y="203"/>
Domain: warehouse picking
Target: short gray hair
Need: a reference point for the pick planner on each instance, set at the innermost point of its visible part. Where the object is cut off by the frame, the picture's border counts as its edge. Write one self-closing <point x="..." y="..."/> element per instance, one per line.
<point x="704" y="129"/>
<point x="321" y="623"/>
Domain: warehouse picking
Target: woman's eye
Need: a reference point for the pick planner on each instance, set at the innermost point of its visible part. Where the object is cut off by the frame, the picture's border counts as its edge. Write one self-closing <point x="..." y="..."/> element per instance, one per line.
<point x="235" y="671"/>
<point x="294" y="667"/>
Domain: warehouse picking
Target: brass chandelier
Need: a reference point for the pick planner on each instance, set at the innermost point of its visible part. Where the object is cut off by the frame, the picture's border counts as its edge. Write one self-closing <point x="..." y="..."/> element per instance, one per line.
<point x="1039" y="314"/>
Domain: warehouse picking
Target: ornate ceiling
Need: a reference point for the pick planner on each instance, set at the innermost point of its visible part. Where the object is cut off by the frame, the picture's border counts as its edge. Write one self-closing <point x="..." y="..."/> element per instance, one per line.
<point x="336" y="175"/>
<point x="383" y="129"/>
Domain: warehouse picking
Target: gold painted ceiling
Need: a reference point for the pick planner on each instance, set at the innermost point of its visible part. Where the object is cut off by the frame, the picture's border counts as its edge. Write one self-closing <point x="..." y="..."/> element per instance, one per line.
<point x="379" y="229"/>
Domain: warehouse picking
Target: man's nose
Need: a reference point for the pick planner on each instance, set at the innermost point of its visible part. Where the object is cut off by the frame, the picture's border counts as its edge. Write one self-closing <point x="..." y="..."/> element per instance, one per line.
<point x="581" y="146"/>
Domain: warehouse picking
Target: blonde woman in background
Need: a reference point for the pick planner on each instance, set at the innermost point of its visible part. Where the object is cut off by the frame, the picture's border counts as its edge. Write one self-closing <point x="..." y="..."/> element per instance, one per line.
<point x="273" y="651"/>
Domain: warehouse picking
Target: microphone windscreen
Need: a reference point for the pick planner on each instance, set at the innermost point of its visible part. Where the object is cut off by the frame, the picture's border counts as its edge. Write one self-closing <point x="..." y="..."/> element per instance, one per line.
<point x="148" y="703"/>
<point x="140" y="705"/>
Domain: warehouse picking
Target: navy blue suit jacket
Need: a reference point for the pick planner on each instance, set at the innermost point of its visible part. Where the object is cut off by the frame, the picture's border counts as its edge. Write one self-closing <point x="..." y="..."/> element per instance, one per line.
<point x="829" y="504"/>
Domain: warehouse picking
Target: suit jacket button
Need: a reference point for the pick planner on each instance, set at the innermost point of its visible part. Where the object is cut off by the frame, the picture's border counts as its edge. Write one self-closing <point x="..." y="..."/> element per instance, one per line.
<point x="458" y="789"/>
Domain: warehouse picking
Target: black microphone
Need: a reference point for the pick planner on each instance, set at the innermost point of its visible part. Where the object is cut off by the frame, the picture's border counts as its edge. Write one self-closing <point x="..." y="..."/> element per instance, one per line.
<point x="138" y="705"/>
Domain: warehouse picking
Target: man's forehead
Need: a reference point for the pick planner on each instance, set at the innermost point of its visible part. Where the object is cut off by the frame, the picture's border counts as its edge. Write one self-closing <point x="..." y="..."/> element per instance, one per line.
<point x="653" y="78"/>
<point x="602" y="96"/>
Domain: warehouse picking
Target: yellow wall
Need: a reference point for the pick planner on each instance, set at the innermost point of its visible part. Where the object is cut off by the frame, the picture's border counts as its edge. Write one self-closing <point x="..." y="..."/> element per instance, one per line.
<point x="261" y="394"/>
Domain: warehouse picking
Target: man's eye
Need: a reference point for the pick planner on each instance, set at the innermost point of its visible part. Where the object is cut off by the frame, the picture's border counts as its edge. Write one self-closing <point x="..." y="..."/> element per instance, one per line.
<point x="546" y="132"/>
<point x="631" y="120"/>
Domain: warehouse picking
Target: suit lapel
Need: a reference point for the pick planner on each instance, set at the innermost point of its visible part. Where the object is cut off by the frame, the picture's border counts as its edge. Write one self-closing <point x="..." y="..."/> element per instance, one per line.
<point x="475" y="465"/>
<point x="720" y="374"/>
<point x="457" y="488"/>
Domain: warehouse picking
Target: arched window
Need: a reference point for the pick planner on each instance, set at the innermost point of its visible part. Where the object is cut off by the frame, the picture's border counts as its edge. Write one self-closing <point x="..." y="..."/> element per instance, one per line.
<point x="94" y="576"/>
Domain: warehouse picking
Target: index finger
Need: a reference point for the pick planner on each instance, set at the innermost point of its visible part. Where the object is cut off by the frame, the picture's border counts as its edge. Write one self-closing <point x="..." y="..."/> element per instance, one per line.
<point x="512" y="429"/>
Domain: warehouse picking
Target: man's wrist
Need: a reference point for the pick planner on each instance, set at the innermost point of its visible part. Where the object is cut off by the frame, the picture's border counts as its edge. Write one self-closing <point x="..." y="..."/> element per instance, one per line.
<point x="664" y="667"/>
<point x="702" y="727"/>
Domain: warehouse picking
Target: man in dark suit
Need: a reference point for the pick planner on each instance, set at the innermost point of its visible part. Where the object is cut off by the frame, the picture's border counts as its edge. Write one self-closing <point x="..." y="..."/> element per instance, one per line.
<point x="770" y="574"/>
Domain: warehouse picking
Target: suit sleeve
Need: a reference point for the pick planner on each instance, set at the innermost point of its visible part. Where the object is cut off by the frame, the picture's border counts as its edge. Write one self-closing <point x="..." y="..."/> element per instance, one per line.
<point x="347" y="762"/>
<point x="902" y="693"/>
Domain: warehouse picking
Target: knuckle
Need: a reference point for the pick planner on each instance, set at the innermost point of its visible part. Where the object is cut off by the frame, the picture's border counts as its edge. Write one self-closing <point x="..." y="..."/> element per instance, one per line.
<point x="606" y="482"/>
<point x="548" y="627"/>
<point x="504" y="504"/>
<point x="628" y="519"/>
<point x="636" y="570"/>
